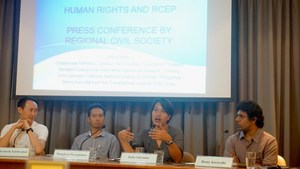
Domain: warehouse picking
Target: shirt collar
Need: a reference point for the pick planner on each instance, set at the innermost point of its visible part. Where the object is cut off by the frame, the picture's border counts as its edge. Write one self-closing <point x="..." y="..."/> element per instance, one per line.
<point x="99" y="135"/>
<point x="34" y="124"/>
<point x="256" y="135"/>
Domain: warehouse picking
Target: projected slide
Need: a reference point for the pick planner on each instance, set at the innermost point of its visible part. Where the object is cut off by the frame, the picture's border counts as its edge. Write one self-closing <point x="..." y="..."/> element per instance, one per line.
<point x="124" y="49"/>
<point x="121" y="46"/>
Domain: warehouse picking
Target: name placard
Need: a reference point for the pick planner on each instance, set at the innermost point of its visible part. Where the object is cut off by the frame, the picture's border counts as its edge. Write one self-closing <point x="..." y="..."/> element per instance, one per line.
<point x="14" y="152"/>
<point x="71" y="154"/>
<point x="210" y="161"/>
<point x="149" y="158"/>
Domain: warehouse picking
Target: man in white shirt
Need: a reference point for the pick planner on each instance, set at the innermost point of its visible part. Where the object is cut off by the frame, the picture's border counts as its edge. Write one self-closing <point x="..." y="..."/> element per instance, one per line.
<point x="25" y="133"/>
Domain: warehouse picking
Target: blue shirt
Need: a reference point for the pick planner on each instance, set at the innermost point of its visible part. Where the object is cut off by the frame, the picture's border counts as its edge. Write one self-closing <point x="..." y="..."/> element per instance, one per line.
<point x="106" y="143"/>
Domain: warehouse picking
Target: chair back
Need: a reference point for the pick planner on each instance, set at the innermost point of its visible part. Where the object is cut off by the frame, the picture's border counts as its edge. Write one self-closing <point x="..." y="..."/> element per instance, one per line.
<point x="187" y="158"/>
<point x="281" y="161"/>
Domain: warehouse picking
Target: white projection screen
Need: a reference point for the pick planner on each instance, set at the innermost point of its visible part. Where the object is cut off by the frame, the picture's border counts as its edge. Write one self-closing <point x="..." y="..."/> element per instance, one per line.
<point x="125" y="48"/>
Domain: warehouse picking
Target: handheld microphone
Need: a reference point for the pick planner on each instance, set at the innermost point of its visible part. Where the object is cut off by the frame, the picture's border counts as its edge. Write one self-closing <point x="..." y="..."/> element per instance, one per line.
<point x="221" y="141"/>
<point x="89" y="136"/>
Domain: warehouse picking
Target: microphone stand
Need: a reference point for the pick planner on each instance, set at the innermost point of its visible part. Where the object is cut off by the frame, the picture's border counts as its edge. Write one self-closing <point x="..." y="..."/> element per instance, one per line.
<point x="80" y="147"/>
<point x="149" y="144"/>
<point x="14" y="143"/>
<point x="221" y="141"/>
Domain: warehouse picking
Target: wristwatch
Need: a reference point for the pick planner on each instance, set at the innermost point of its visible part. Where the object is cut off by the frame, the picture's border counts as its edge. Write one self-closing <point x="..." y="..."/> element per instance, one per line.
<point x="29" y="129"/>
<point x="169" y="142"/>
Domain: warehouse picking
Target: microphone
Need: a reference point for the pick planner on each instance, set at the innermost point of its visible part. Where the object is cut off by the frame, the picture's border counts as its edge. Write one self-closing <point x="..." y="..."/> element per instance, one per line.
<point x="150" y="140"/>
<point x="89" y="136"/>
<point x="249" y="144"/>
<point x="14" y="143"/>
<point x="221" y="141"/>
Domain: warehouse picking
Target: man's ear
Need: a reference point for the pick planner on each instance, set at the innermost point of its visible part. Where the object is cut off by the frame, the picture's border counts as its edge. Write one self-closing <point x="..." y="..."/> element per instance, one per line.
<point x="20" y="110"/>
<point x="254" y="119"/>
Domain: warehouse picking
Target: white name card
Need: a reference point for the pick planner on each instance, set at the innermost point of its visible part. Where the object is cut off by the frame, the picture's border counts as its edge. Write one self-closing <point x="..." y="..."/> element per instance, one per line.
<point x="71" y="154"/>
<point x="209" y="161"/>
<point x="14" y="152"/>
<point x="149" y="158"/>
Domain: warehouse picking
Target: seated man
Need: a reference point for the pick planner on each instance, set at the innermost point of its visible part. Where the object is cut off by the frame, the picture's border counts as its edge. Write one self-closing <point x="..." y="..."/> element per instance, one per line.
<point x="107" y="144"/>
<point x="251" y="137"/>
<point x="25" y="132"/>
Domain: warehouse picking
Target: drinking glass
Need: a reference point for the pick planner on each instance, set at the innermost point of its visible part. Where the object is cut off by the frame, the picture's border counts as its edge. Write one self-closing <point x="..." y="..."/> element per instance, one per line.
<point x="93" y="152"/>
<point x="139" y="149"/>
<point x="250" y="160"/>
<point x="160" y="156"/>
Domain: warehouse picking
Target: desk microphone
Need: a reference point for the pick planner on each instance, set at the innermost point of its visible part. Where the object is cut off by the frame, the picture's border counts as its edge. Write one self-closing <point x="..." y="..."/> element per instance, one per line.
<point x="14" y="143"/>
<point x="221" y="141"/>
<point x="249" y="144"/>
<point x="150" y="140"/>
<point x="89" y="136"/>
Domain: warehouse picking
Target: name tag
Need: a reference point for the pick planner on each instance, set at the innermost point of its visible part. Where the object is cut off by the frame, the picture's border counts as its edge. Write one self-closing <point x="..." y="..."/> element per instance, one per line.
<point x="71" y="154"/>
<point x="209" y="161"/>
<point x="138" y="158"/>
<point x="14" y="152"/>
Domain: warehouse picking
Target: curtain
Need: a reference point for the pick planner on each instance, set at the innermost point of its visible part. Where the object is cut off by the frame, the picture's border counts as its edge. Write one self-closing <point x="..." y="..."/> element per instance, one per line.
<point x="266" y="70"/>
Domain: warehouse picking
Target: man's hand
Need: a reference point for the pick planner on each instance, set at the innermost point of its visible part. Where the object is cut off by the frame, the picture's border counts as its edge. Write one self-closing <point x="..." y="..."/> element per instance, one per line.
<point x="19" y="125"/>
<point x="25" y="124"/>
<point x="235" y="158"/>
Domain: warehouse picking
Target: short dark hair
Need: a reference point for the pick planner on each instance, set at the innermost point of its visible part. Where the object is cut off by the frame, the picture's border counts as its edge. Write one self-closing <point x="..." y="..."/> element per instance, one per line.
<point x="253" y="111"/>
<point x="23" y="100"/>
<point x="94" y="105"/>
<point x="167" y="106"/>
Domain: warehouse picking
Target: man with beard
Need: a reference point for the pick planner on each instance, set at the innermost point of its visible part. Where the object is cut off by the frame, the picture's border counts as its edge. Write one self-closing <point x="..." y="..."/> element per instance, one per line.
<point x="161" y="136"/>
<point x="251" y="137"/>
<point x="106" y="144"/>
